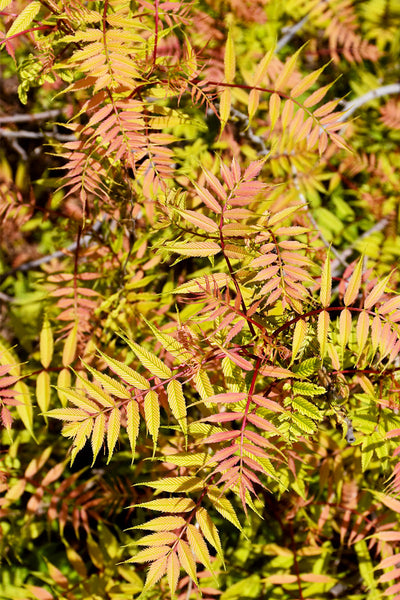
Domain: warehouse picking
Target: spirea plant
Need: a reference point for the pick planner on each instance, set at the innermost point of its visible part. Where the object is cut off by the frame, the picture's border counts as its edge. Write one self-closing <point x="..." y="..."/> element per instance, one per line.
<point x="199" y="380"/>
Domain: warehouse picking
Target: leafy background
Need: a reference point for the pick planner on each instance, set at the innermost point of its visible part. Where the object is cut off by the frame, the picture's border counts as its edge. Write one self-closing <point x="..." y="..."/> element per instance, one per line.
<point x="199" y="336"/>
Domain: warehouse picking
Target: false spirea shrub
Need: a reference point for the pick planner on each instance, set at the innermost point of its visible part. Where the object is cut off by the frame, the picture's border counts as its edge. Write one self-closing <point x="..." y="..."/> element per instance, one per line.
<point x="218" y="336"/>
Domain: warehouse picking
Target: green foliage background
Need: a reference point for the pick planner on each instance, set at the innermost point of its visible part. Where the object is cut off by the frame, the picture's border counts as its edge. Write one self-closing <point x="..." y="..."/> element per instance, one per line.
<point x="97" y="244"/>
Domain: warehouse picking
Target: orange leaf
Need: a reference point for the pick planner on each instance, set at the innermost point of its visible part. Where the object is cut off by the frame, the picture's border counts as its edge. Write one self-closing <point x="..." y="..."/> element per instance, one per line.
<point x="376" y="293"/>
<point x="306" y="83"/>
<point x="207" y="198"/>
<point x="316" y="96"/>
<point x="389" y="306"/>
<point x="278" y="372"/>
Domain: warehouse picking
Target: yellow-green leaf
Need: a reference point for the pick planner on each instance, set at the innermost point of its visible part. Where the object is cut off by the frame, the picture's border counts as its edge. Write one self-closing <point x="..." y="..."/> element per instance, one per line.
<point x="322" y="330"/>
<point x="223" y="506"/>
<point x="287" y="71"/>
<point x="152" y="553"/>
<point x="159" y="538"/>
<point x="126" y="373"/>
<point x="68" y="414"/>
<point x="209" y="530"/>
<point x="109" y="384"/>
<point x="163" y="524"/>
<point x="283" y="214"/>
<point x="4" y="4"/>
<point x="25" y="18"/>
<point x="229" y="58"/>
<point x="170" y="343"/>
<point x="43" y="391"/>
<point x="326" y="283"/>
<point x="46" y="343"/>
<point x="177" y="403"/>
<point x="70" y="346"/>
<point x="185" y="483"/>
<point x="200" y="284"/>
<point x="173" y="505"/>
<point x="224" y="112"/>
<point x="99" y="429"/>
<point x="113" y="427"/>
<point x="254" y="100"/>
<point x="24" y="410"/>
<point x="262" y="67"/>
<point x="203" y="384"/>
<point x="152" y="414"/>
<point x="299" y="334"/>
<point x="187" y="560"/>
<point x="150" y="361"/>
<point x="79" y="399"/>
<point x="96" y="392"/>
<point x="362" y="330"/>
<point x="63" y="382"/>
<point x="156" y="571"/>
<point x="198" y="546"/>
<point x="132" y="426"/>
<point x="173" y="568"/>
<point x="344" y="327"/>
<point x="353" y="287"/>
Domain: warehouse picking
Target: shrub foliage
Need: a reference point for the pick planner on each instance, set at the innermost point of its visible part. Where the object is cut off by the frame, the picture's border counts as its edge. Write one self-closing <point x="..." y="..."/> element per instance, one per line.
<point x="200" y="345"/>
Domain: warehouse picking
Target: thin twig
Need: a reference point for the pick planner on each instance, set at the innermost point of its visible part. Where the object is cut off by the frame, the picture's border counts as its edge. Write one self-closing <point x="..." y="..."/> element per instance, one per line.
<point x="6" y="298"/>
<point x="35" y="135"/>
<point x="291" y="32"/>
<point x="313" y="221"/>
<point x="33" y="264"/>
<point x="41" y="116"/>
<point x="350" y="107"/>
<point x="346" y="253"/>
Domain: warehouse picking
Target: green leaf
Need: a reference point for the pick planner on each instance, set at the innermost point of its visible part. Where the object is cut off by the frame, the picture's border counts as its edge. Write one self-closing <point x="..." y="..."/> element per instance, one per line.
<point x="307" y="389"/>
<point x="25" y="18"/>
<point x="249" y="587"/>
<point x="305" y="407"/>
<point x="307" y="367"/>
